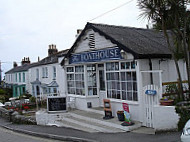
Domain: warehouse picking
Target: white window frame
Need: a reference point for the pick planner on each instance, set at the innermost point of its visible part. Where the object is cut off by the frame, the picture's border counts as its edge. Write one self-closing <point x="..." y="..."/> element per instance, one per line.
<point x="120" y="71"/>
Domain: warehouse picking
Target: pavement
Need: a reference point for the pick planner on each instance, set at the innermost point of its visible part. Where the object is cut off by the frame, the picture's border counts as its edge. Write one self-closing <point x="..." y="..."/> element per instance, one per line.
<point x="79" y="126"/>
<point x="73" y="135"/>
<point x="89" y="121"/>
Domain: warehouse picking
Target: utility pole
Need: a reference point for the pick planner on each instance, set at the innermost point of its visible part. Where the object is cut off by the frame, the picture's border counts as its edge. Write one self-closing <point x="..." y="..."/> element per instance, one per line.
<point x="0" y="73"/>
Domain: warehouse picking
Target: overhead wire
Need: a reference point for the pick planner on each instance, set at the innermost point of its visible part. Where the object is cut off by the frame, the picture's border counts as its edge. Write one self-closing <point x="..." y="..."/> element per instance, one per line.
<point x="111" y="10"/>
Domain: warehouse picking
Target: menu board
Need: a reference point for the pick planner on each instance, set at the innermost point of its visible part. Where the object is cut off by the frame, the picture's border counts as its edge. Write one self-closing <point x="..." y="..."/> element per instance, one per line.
<point x="55" y="104"/>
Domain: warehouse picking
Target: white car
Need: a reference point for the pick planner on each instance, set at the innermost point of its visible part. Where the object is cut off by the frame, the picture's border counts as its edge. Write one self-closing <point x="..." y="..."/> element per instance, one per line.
<point x="185" y="136"/>
<point x="1" y="105"/>
<point x="7" y="103"/>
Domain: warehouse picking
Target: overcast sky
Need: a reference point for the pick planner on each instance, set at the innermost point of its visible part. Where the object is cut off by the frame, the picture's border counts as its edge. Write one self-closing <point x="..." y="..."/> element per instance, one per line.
<point x="27" y="27"/>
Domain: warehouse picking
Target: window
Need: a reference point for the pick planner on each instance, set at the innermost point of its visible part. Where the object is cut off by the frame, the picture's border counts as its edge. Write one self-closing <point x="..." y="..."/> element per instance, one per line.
<point x="91" y="80"/>
<point x="54" y="72"/>
<point x="45" y="72"/>
<point x="75" y="80"/>
<point x="101" y="77"/>
<point x="102" y="80"/>
<point x="19" y="77"/>
<point x="23" y="77"/>
<point x="23" y="90"/>
<point x="37" y="73"/>
<point x="91" y="40"/>
<point x="16" y="77"/>
<point x="121" y="84"/>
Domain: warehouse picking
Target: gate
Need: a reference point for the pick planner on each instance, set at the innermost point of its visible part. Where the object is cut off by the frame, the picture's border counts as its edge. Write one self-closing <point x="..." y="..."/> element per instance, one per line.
<point x="150" y="98"/>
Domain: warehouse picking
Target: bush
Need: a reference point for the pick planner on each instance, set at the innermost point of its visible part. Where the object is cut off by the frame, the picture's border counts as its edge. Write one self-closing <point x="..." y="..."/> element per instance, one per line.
<point x="32" y="99"/>
<point x="183" y="109"/>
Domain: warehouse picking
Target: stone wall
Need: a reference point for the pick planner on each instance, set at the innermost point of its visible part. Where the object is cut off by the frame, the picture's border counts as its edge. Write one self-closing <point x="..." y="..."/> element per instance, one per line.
<point x="14" y="117"/>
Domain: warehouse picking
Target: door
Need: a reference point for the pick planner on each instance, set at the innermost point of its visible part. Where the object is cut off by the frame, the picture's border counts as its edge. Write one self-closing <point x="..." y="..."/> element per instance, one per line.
<point x="150" y="98"/>
<point x="101" y="79"/>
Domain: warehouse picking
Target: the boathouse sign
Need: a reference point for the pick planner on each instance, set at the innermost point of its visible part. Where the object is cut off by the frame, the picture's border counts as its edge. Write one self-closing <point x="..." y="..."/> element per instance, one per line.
<point x="96" y="56"/>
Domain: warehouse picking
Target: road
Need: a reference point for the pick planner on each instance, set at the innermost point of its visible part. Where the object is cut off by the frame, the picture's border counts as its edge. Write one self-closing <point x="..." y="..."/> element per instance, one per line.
<point x="10" y="136"/>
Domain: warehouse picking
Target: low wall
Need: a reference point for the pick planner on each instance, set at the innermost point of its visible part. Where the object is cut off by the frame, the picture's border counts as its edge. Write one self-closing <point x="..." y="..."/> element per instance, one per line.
<point x="4" y="113"/>
<point x="165" y="118"/>
<point x="16" y="118"/>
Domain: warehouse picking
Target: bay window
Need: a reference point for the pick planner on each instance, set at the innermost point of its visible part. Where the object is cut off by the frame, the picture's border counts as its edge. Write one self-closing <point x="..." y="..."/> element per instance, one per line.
<point x="121" y="83"/>
<point x="120" y="79"/>
<point x="75" y="80"/>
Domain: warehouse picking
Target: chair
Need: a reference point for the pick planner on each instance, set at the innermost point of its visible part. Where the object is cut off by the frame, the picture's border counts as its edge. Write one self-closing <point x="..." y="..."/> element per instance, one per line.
<point x="71" y="102"/>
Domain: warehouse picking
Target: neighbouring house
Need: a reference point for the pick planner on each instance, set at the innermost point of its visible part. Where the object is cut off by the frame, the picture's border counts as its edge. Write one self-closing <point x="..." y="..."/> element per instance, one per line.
<point x="122" y="64"/>
<point x="17" y="78"/>
<point x="46" y="76"/>
<point x="39" y="79"/>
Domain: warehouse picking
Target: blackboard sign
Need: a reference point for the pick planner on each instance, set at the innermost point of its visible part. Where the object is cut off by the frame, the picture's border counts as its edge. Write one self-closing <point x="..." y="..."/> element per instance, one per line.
<point x="56" y="104"/>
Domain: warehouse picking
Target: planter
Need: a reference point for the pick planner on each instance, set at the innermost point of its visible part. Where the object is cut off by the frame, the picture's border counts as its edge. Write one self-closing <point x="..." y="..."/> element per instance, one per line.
<point x="166" y="102"/>
<point x="120" y="115"/>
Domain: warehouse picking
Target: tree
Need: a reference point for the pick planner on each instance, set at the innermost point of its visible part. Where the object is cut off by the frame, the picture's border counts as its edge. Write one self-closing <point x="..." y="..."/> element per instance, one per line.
<point x="173" y="18"/>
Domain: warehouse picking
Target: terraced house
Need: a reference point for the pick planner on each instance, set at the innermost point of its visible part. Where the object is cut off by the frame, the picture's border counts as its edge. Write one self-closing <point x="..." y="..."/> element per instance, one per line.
<point x="39" y="79"/>
<point x="46" y="76"/>
<point x="18" y="77"/>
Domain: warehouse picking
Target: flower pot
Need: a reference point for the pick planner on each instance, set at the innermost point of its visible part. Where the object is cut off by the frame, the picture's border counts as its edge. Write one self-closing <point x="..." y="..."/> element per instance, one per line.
<point x="120" y="115"/>
<point x="166" y="102"/>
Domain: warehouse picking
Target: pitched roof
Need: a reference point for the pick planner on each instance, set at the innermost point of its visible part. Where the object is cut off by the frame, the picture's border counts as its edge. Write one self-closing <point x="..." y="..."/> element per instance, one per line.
<point x="24" y="67"/>
<point x="142" y="43"/>
<point x="47" y="60"/>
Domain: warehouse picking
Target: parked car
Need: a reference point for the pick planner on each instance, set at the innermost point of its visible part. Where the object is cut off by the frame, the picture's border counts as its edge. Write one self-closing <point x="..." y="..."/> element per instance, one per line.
<point x="1" y="105"/>
<point x="8" y="104"/>
<point x="185" y="136"/>
<point x="27" y="101"/>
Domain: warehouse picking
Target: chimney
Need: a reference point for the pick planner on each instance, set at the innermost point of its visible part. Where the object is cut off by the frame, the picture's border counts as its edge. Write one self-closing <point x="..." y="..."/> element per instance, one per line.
<point x="14" y="65"/>
<point x="38" y="58"/>
<point x="26" y="60"/>
<point x="52" y="50"/>
<point x="78" y="32"/>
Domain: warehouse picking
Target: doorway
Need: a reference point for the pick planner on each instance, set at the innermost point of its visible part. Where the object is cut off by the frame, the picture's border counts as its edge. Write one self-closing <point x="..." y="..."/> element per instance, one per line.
<point x="101" y="79"/>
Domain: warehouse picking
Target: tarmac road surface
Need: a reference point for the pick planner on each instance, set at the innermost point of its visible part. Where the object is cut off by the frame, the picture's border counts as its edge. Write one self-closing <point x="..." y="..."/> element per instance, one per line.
<point x="10" y="136"/>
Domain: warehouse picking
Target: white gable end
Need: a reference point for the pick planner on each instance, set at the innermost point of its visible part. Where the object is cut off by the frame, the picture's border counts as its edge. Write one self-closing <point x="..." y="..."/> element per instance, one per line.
<point x="100" y="42"/>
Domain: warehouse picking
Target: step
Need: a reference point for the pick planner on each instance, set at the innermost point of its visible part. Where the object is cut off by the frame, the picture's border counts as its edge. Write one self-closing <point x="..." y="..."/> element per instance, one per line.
<point x="99" y="110"/>
<point x="98" y="118"/>
<point x="92" y="124"/>
<point x="68" y="124"/>
<point x="85" y="121"/>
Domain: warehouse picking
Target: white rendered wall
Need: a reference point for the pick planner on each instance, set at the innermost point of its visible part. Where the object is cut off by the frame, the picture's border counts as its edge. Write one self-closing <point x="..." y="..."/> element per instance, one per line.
<point x="165" y="118"/>
<point x="60" y="77"/>
<point x="100" y="42"/>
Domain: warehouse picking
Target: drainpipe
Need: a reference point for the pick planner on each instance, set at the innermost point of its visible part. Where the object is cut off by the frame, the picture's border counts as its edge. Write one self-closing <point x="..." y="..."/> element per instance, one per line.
<point x="150" y="65"/>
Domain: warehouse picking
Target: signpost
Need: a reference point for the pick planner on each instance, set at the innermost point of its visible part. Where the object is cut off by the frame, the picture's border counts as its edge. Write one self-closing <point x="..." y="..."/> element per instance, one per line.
<point x="151" y="92"/>
<point x="127" y="116"/>
<point x="96" y="56"/>
<point x="56" y="104"/>
<point x="107" y="109"/>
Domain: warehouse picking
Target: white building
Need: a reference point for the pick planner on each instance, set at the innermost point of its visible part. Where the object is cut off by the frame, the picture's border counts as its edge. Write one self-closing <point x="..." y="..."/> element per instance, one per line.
<point x="41" y="78"/>
<point x="117" y="63"/>
<point x="46" y="76"/>
<point x="18" y="78"/>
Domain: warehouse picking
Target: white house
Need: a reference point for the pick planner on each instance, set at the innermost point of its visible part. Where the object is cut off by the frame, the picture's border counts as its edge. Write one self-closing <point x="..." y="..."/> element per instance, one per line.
<point x="17" y="77"/>
<point x="121" y="64"/>
<point x="39" y="79"/>
<point x="46" y="76"/>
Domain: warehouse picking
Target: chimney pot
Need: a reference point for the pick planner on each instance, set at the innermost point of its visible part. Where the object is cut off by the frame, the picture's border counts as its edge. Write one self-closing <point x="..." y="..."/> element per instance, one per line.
<point x="52" y="49"/>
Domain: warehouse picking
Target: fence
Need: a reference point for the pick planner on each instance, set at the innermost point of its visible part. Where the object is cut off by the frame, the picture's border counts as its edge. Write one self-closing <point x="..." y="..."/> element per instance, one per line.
<point x="171" y="89"/>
